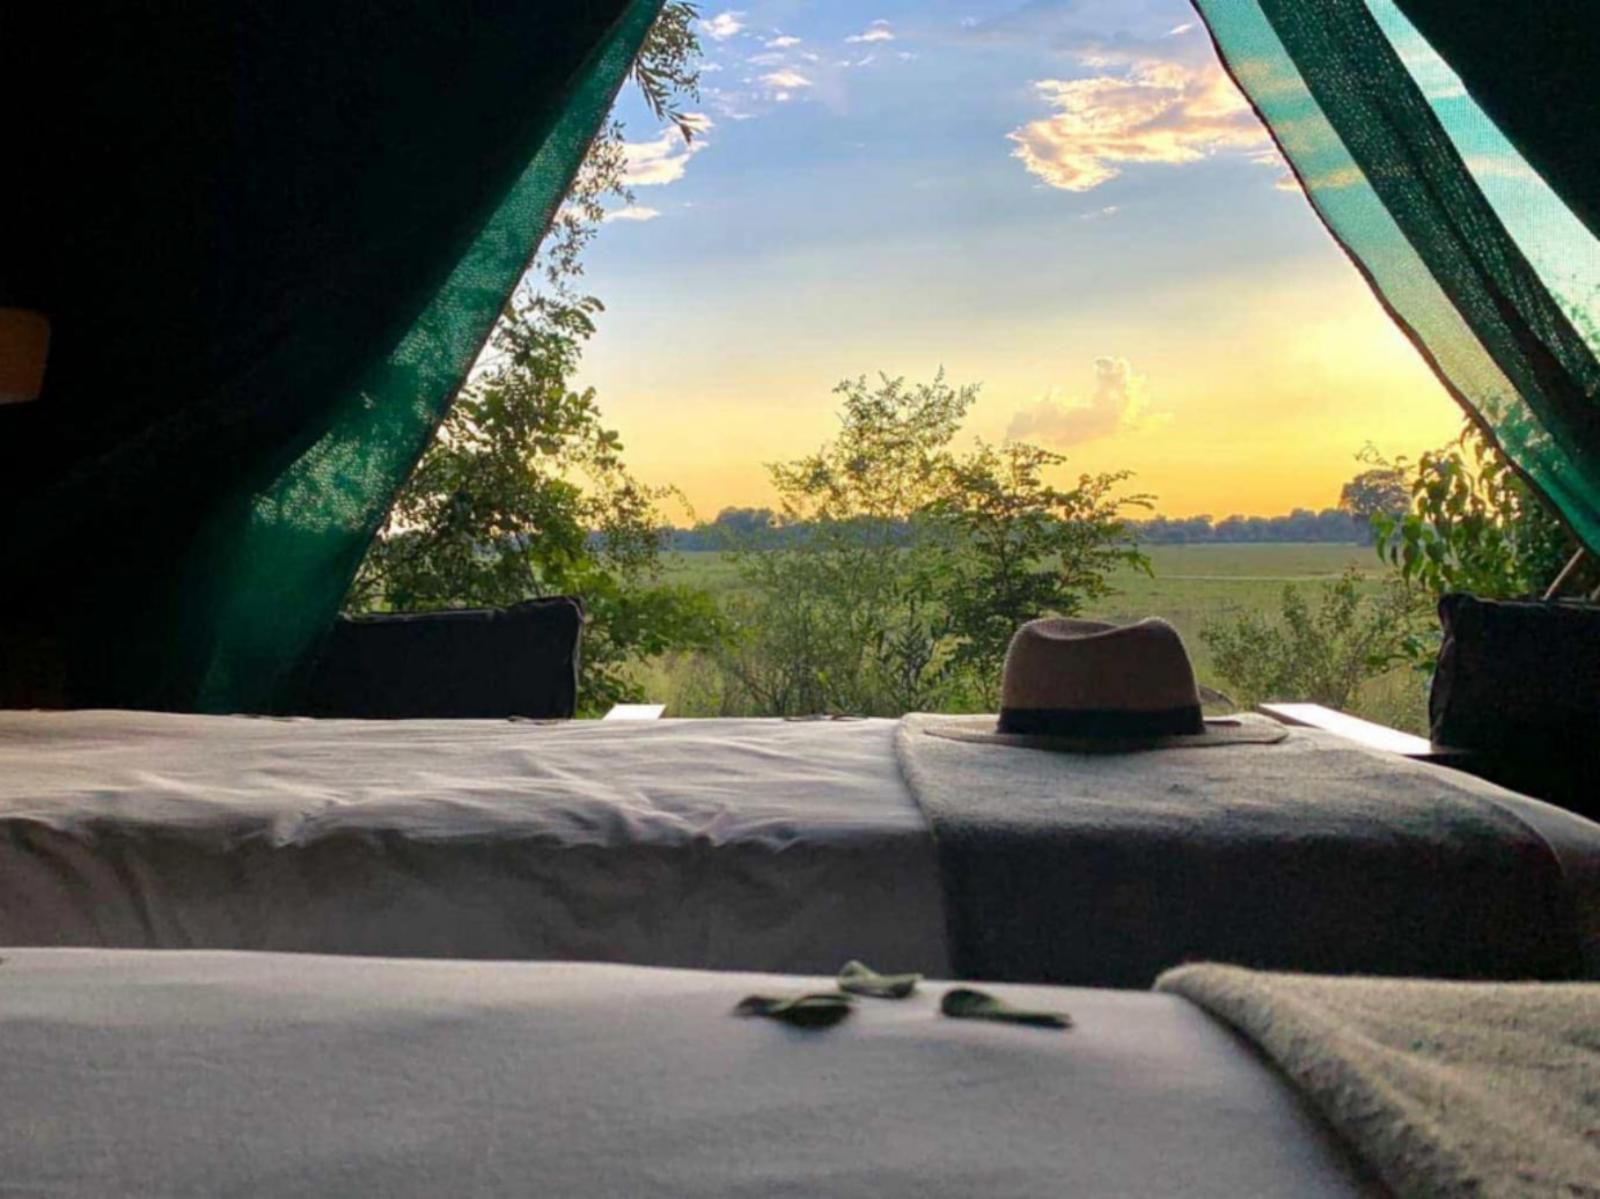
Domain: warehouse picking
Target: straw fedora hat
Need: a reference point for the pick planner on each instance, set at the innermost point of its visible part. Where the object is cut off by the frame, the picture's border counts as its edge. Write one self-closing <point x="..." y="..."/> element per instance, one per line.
<point x="1088" y="686"/>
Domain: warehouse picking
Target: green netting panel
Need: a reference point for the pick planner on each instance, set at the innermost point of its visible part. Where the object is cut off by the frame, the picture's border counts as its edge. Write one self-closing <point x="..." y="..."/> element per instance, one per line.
<point x="1482" y="266"/>
<point x="279" y="576"/>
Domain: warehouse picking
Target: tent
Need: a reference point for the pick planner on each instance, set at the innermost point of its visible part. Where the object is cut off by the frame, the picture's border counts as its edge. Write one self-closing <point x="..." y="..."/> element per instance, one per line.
<point x="270" y="239"/>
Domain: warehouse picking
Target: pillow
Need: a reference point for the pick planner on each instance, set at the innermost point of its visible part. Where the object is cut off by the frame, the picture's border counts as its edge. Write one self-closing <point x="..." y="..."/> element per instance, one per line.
<point x="1518" y="678"/>
<point x="467" y="662"/>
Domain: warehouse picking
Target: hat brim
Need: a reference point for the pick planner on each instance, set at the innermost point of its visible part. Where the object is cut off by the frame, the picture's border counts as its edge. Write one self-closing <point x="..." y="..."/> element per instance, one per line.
<point x="1219" y="731"/>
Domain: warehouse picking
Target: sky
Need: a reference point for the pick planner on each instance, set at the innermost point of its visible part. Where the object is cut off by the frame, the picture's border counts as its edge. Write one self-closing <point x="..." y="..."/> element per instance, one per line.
<point x="1065" y="201"/>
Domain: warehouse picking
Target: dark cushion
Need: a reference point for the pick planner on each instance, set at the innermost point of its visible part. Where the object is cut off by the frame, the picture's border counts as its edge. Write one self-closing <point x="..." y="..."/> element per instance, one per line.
<point x="470" y="662"/>
<point x="1518" y="678"/>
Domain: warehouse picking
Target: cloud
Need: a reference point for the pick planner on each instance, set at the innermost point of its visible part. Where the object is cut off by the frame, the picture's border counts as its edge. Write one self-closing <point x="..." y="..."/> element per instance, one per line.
<point x="722" y="26"/>
<point x="664" y="158"/>
<point x="1180" y="30"/>
<point x="1117" y="404"/>
<point x="785" y="80"/>
<point x="633" y="212"/>
<point x="878" y="31"/>
<point x="782" y="42"/>
<point x="769" y="58"/>
<point x="1154" y="112"/>
<point x="729" y="104"/>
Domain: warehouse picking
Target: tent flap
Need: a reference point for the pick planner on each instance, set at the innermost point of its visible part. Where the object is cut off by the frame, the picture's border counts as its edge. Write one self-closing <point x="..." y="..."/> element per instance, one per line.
<point x="1478" y="259"/>
<point x="271" y="239"/>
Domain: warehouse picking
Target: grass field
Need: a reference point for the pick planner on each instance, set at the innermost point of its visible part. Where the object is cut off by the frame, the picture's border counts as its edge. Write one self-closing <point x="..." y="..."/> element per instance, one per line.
<point x="1191" y="585"/>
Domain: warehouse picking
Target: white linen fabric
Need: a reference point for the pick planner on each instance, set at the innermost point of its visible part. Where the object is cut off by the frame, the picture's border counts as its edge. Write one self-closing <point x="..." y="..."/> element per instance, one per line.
<point x="722" y="844"/>
<point x="201" y="1074"/>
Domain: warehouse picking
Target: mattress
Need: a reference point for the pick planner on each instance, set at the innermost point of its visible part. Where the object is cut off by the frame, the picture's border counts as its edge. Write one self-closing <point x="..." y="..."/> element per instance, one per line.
<point x="786" y="846"/>
<point x="770" y="845"/>
<point x="203" y="1073"/>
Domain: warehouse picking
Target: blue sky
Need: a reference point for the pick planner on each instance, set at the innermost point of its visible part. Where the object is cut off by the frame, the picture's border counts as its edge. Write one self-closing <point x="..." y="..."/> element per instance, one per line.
<point x="1064" y="201"/>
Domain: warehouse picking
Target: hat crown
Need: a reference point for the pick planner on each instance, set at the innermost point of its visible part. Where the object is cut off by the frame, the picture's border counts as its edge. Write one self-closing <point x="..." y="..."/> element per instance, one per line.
<point x="1059" y="671"/>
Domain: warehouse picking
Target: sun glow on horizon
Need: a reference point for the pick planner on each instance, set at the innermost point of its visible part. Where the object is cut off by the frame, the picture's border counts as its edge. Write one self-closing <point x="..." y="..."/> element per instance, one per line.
<point x="1068" y="204"/>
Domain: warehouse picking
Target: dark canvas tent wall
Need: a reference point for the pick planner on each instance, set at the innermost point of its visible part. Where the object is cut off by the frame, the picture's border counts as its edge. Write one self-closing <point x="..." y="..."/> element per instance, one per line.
<point x="270" y="239"/>
<point x="1474" y="236"/>
<point x="1531" y="69"/>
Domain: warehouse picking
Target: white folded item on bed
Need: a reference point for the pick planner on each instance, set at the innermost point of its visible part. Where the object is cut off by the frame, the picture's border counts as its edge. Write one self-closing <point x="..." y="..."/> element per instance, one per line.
<point x="723" y="844"/>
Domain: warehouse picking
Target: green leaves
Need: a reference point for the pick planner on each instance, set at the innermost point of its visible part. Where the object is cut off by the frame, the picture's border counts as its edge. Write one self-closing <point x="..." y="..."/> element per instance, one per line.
<point x="1472" y="524"/>
<point x="817" y="1009"/>
<point x="858" y="978"/>
<point x="1322" y="653"/>
<point x="668" y="66"/>
<point x="968" y="1003"/>
<point x="824" y="1009"/>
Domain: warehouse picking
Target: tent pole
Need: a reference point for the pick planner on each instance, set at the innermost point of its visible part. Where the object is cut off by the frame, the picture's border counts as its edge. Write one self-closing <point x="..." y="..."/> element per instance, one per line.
<point x="1566" y="573"/>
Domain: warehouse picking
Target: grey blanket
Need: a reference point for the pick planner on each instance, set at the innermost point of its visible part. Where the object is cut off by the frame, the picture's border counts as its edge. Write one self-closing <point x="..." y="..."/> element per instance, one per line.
<point x="1311" y="854"/>
<point x="1445" y="1089"/>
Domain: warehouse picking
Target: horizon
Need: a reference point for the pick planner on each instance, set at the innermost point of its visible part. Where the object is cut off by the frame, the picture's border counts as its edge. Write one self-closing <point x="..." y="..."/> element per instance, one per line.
<point x="1068" y="203"/>
<point x="1136" y="516"/>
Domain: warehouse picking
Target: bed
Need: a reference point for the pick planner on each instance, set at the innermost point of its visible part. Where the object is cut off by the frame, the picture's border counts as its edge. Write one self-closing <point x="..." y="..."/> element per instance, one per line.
<point x="153" y="1072"/>
<point x="199" y="1074"/>
<point x="783" y="846"/>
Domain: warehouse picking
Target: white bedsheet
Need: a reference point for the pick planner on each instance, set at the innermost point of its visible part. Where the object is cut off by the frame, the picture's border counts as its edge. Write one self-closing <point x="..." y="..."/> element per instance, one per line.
<point x="202" y="1074"/>
<point x="722" y="844"/>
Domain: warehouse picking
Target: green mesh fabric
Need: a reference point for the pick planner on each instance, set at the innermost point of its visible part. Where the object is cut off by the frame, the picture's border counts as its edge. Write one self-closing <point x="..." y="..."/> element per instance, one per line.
<point x="1480" y="262"/>
<point x="281" y="577"/>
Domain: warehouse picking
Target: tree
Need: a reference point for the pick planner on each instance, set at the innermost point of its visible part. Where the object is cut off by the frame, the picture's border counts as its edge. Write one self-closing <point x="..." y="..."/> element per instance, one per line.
<point x="843" y="618"/>
<point x="524" y="491"/>
<point x="1019" y="548"/>
<point x="1380" y="490"/>
<point x="736" y="523"/>
<point x="911" y="565"/>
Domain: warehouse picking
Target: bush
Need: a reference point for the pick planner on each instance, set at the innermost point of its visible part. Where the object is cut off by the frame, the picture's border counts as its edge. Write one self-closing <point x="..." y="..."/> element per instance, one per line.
<point x="1320" y="654"/>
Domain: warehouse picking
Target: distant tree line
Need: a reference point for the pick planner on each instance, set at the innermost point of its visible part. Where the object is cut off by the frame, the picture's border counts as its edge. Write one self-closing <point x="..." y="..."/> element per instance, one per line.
<point x="743" y="526"/>
<point x="1328" y="525"/>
